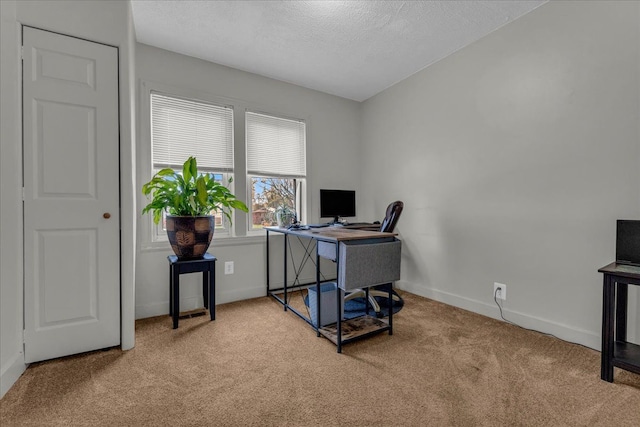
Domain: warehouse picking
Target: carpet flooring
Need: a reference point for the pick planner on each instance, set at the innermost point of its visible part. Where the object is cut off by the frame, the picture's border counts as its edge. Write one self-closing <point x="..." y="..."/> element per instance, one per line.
<point x="259" y="366"/>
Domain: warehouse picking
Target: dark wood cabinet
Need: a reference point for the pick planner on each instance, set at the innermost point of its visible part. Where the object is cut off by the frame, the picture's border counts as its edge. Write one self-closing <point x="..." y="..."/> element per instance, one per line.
<point x="616" y="351"/>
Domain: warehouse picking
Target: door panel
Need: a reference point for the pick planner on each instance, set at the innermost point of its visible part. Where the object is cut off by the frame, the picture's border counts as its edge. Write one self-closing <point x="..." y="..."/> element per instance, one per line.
<point x="71" y="169"/>
<point x="62" y="66"/>
<point x="54" y="307"/>
<point x="75" y="145"/>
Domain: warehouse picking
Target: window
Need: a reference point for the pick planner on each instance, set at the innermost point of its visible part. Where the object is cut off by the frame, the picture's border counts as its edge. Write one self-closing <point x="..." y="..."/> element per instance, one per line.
<point x="264" y="153"/>
<point x="276" y="166"/>
<point x="183" y="127"/>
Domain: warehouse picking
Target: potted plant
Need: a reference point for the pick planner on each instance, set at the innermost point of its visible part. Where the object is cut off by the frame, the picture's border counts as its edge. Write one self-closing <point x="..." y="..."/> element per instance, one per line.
<point x="285" y="215"/>
<point x="188" y="200"/>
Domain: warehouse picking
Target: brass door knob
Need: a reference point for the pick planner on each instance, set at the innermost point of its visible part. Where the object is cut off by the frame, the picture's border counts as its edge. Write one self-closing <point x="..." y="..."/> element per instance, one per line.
<point x="106" y="215"/>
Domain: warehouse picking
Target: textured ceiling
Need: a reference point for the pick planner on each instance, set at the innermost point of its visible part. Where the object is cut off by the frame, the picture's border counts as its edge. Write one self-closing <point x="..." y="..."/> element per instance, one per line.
<point x="353" y="49"/>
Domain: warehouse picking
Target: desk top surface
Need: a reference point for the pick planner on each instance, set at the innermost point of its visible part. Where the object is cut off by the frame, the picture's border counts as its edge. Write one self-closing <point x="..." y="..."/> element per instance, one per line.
<point x="333" y="234"/>
<point x="621" y="270"/>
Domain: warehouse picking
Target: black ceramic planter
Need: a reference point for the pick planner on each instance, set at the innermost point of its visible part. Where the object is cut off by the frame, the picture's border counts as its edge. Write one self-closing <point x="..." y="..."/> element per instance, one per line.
<point x="190" y="236"/>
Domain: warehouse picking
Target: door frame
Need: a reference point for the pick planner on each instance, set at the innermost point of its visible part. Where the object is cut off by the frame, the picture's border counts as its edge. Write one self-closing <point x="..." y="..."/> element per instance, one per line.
<point x="126" y="165"/>
<point x="52" y="17"/>
<point x="99" y="324"/>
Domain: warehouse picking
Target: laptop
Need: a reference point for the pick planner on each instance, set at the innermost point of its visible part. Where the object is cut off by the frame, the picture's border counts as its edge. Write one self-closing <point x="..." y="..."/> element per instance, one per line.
<point x="628" y="242"/>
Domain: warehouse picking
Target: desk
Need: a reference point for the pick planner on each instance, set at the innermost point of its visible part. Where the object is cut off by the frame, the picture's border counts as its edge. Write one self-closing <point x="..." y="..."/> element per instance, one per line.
<point x="616" y="351"/>
<point x="206" y="265"/>
<point x="355" y="328"/>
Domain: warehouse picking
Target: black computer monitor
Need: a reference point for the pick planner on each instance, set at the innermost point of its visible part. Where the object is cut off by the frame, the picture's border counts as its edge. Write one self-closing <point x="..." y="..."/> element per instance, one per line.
<point x="337" y="203"/>
<point x="628" y="242"/>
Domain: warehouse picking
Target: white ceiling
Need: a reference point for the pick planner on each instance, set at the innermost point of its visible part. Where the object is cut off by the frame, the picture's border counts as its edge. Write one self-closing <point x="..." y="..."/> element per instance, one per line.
<point x="353" y="49"/>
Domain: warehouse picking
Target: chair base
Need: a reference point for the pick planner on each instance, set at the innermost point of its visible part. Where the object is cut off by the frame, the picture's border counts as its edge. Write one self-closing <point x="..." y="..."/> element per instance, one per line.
<point x="361" y="293"/>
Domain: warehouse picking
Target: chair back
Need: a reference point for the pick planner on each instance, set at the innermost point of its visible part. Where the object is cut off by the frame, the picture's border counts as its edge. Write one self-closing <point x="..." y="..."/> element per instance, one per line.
<point x="391" y="217"/>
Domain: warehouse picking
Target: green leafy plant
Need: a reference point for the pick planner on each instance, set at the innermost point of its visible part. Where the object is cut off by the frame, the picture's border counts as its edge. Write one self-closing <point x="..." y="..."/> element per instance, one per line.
<point x="285" y="210"/>
<point x="285" y="215"/>
<point x="189" y="194"/>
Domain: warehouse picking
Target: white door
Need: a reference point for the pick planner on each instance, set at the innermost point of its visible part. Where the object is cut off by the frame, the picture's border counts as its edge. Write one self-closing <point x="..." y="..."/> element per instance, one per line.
<point x="71" y="195"/>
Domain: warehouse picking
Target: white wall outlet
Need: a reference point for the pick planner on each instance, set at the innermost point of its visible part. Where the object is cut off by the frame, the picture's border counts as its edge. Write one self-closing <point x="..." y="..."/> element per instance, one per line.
<point x="228" y="267"/>
<point x="500" y="291"/>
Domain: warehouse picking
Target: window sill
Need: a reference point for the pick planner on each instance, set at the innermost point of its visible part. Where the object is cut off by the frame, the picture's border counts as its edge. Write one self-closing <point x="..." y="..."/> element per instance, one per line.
<point x="164" y="246"/>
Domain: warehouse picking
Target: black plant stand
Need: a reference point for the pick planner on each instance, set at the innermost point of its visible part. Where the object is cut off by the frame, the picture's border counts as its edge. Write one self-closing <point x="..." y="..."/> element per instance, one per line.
<point x="206" y="265"/>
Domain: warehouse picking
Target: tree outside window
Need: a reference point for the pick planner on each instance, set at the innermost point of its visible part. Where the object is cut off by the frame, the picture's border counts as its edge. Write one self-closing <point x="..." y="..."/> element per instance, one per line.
<point x="269" y="194"/>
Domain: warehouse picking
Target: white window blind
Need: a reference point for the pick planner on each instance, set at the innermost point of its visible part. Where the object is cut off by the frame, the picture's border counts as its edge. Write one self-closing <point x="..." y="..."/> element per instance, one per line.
<point x="182" y="128"/>
<point x="275" y="146"/>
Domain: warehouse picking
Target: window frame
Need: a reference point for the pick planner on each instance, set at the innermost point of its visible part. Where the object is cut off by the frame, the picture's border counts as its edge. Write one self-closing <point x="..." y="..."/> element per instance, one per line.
<point x="300" y="182"/>
<point x="241" y="230"/>
<point x="153" y="237"/>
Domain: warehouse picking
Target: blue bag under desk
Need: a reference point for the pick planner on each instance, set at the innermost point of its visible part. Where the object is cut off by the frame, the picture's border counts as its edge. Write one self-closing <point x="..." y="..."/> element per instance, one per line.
<point x="328" y="310"/>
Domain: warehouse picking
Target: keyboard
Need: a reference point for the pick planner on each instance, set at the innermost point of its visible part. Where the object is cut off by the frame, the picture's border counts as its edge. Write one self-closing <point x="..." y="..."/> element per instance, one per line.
<point x="298" y="227"/>
<point x="317" y="225"/>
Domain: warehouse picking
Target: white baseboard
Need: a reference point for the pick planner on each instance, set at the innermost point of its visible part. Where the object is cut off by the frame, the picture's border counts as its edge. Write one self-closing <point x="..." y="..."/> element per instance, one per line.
<point x="242" y="294"/>
<point x="193" y="303"/>
<point x="10" y="373"/>
<point x="564" y="332"/>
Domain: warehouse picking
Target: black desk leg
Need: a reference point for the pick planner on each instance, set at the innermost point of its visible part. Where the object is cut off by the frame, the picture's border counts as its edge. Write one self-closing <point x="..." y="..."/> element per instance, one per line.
<point x="175" y="296"/>
<point x="621" y="311"/>
<point x="318" y="295"/>
<point x="268" y="284"/>
<point x="286" y="241"/>
<point x="340" y="298"/>
<point x="390" y="308"/>
<point x="608" y="302"/>
<point x="212" y="291"/>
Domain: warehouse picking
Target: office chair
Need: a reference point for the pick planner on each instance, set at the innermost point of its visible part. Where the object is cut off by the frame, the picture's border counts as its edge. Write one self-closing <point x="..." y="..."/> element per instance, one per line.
<point x="388" y="225"/>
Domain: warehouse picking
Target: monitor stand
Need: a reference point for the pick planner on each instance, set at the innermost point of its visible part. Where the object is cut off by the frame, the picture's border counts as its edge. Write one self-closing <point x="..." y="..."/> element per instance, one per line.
<point x="336" y="222"/>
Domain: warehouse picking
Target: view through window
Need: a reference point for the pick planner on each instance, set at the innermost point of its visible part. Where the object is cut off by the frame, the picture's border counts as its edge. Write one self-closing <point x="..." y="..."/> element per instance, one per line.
<point x="270" y="195"/>
<point x="276" y="166"/>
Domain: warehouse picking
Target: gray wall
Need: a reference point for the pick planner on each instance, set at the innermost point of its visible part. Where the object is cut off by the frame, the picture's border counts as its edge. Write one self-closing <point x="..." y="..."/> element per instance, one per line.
<point x="105" y="22"/>
<point x="333" y="141"/>
<point x="514" y="158"/>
